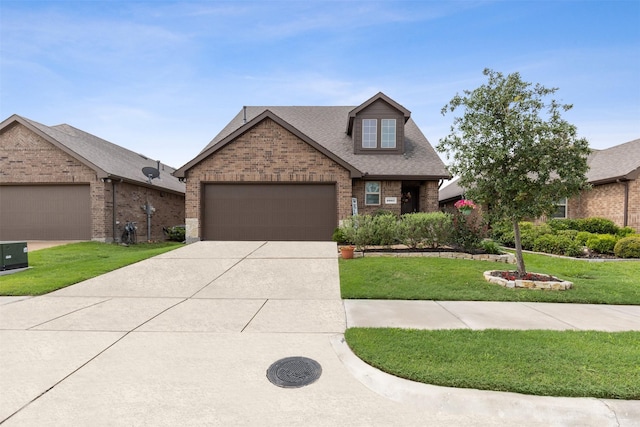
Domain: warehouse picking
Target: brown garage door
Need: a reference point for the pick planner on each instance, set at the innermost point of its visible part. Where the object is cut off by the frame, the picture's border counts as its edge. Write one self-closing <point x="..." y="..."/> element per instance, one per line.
<point x="45" y="212"/>
<point x="299" y="212"/>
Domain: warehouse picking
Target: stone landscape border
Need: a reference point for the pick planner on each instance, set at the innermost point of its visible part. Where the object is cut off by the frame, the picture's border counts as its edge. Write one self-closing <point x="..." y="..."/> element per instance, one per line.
<point x="504" y="258"/>
<point x="550" y="285"/>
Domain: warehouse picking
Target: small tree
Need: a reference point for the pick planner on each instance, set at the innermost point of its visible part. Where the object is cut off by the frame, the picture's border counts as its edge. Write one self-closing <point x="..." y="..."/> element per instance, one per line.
<point x="513" y="151"/>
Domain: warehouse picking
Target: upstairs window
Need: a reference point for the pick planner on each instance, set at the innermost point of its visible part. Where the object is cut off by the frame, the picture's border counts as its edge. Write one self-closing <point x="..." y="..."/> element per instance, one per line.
<point x="369" y="133"/>
<point x="388" y="133"/>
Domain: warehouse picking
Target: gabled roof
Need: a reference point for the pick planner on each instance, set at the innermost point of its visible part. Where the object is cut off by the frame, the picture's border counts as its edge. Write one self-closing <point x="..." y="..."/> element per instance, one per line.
<point x="266" y="114"/>
<point x="621" y="162"/>
<point x="108" y="160"/>
<point x="324" y="127"/>
<point x="379" y="96"/>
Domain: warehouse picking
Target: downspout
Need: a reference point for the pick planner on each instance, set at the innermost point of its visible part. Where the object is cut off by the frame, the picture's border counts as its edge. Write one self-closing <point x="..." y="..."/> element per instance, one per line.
<point x="626" y="203"/>
<point x="113" y="207"/>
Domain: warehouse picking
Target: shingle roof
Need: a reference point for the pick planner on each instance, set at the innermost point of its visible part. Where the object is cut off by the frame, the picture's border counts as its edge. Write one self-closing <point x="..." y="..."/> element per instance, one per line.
<point x="451" y="191"/>
<point x="326" y="126"/>
<point x="611" y="164"/>
<point x="107" y="159"/>
<point x="621" y="162"/>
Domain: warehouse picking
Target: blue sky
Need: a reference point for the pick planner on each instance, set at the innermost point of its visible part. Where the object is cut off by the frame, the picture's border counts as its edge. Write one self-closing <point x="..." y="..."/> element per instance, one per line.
<point x="163" y="78"/>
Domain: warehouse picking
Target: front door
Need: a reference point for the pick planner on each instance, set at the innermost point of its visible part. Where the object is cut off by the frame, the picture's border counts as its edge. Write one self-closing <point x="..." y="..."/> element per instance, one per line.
<point x="410" y="197"/>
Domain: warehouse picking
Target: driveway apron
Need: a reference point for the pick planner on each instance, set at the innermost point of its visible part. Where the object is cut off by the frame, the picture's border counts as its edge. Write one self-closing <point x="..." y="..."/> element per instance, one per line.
<point x="186" y="338"/>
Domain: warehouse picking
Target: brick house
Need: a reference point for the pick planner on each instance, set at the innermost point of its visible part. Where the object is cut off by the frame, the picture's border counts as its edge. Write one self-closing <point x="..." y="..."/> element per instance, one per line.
<point x="292" y="173"/>
<point x="60" y="183"/>
<point x="449" y="194"/>
<point x="614" y="175"/>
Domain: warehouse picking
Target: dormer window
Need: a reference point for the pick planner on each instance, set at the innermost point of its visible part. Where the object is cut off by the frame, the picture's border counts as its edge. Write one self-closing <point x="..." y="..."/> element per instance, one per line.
<point x="388" y="133"/>
<point x="377" y="126"/>
<point x="369" y="133"/>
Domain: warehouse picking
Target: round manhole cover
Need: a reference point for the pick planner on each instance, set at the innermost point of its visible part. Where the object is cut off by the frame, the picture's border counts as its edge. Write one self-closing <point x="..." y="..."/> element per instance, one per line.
<point x="292" y="372"/>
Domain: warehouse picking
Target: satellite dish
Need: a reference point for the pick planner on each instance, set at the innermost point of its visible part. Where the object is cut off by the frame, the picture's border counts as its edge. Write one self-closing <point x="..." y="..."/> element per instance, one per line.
<point x="150" y="172"/>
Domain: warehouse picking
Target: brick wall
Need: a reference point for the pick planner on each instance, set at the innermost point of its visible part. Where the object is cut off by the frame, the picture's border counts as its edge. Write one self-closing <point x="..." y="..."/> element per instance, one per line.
<point x="387" y="189"/>
<point x="25" y="157"/>
<point x="130" y="199"/>
<point x="607" y="201"/>
<point x="428" y="197"/>
<point x="633" y="215"/>
<point x="266" y="153"/>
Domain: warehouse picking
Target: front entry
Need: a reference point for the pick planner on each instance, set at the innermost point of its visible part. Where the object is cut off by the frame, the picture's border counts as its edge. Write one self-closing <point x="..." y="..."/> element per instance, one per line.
<point x="410" y="199"/>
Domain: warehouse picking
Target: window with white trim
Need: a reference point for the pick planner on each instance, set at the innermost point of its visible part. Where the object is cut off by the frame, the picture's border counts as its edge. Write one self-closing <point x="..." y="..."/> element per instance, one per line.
<point x="369" y="133"/>
<point x="388" y="133"/>
<point x="372" y="193"/>
<point x="561" y="209"/>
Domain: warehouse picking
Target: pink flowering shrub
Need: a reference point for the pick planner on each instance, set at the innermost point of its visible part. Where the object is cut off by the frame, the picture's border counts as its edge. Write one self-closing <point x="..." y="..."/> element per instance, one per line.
<point x="465" y="204"/>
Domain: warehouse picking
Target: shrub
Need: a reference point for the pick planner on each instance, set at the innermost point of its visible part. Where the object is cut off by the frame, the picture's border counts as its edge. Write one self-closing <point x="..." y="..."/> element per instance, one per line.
<point x="385" y="229"/>
<point x="575" y="249"/>
<point x="624" y="232"/>
<point x="558" y="224"/>
<point x="572" y="234"/>
<point x="558" y="244"/>
<point x="176" y="233"/>
<point x="582" y="237"/>
<point x="602" y="243"/>
<point x="628" y="247"/>
<point x="431" y="229"/>
<point x="596" y="225"/>
<point x="490" y="247"/>
<point x="384" y="212"/>
<point x="467" y="232"/>
<point x="530" y="232"/>
<point x="502" y="233"/>
<point x="358" y="230"/>
<point x="339" y="236"/>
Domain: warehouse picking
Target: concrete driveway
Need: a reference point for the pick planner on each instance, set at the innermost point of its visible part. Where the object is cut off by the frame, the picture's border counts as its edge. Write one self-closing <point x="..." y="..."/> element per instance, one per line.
<point x="186" y="338"/>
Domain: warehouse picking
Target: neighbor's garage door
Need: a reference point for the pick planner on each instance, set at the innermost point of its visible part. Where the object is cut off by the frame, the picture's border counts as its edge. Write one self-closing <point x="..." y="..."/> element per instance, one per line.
<point x="45" y="212"/>
<point x="269" y="211"/>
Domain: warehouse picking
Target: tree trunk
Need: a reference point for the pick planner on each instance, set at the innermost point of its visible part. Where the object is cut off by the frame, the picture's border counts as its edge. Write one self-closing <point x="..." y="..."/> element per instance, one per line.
<point x="519" y="259"/>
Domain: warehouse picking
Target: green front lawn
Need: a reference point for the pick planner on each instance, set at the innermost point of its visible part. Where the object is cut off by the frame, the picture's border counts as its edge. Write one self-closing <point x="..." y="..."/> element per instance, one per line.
<point x="418" y="278"/>
<point x="546" y="363"/>
<point x="553" y="363"/>
<point x="61" y="266"/>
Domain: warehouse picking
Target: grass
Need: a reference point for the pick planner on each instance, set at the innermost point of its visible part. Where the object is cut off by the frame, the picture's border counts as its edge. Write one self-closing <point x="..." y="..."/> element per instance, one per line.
<point x="537" y="362"/>
<point x="61" y="266"/>
<point x="417" y="278"/>
<point x="546" y="363"/>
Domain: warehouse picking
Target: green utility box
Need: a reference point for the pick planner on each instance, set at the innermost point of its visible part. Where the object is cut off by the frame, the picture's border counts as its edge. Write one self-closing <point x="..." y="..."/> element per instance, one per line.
<point x="14" y="255"/>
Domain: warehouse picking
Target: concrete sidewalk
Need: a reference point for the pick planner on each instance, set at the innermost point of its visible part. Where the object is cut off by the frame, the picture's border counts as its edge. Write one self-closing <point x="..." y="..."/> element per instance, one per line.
<point x="186" y="338"/>
<point x="491" y="315"/>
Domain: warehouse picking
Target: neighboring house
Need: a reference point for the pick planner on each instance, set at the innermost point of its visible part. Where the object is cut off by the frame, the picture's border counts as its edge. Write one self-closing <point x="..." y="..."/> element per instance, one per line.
<point x="60" y="183"/>
<point x="449" y="194"/>
<point x="614" y="175"/>
<point x="293" y="173"/>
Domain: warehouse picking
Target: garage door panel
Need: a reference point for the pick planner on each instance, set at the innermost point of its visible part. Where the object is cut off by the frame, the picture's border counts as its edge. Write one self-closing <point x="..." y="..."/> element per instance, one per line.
<point x="269" y="211"/>
<point x="45" y="212"/>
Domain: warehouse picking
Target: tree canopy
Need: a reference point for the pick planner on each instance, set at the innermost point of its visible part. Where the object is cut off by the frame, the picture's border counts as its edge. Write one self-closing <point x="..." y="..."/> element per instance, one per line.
<point x="513" y="151"/>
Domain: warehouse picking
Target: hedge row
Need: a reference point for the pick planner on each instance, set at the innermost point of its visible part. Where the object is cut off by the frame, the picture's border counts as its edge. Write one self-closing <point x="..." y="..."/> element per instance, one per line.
<point x="416" y="230"/>
<point x="573" y="237"/>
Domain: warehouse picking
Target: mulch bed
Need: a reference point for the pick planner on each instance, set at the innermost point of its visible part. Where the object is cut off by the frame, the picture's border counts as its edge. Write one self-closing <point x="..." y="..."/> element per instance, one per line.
<point x="514" y="275"/>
